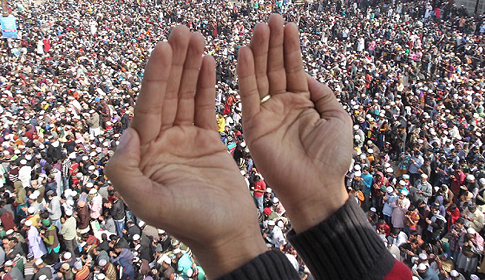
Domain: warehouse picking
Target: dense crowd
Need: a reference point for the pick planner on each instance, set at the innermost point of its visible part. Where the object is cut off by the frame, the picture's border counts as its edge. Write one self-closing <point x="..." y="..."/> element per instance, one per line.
<point x="409" y="73"/>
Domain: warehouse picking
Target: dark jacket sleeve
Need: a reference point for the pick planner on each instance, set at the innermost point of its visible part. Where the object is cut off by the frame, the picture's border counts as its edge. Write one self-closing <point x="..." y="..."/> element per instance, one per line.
<point x="342" y="247"/>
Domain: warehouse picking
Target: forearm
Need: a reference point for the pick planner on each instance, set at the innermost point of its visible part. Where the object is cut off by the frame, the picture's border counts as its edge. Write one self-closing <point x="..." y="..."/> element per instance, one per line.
<point x="227" y="259"/>
<point x="345" y="246"/>
<point x="267" y="266"/>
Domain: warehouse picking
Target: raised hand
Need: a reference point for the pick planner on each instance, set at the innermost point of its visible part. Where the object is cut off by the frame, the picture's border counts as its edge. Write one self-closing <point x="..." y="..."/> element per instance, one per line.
<point x="172" y="168"/>
<point x="300" y="138"/>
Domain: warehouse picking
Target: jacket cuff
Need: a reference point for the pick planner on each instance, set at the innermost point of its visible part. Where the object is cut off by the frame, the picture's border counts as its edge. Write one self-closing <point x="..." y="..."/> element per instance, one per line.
<point x="344" y="246"/>
<point x="270" y="265"/>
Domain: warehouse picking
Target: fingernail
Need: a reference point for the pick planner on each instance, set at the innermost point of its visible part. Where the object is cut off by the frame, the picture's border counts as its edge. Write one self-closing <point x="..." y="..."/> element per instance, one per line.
<point x="125" y="139"/>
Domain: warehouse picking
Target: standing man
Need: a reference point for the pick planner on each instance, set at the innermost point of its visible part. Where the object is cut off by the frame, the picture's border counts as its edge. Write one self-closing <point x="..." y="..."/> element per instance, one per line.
<point x="95" y="204"/>
<point x="36" y="245"/>
<point x="259" y="189"/>
<point x="368" y="181"/>
<point x="425" y="189"/>
<point x="414" y="168"/>
<point x="117" y="211"/>
<point x="54" y="209"/>
<point x="68" y="232"/>
<point x="388" y="200"/>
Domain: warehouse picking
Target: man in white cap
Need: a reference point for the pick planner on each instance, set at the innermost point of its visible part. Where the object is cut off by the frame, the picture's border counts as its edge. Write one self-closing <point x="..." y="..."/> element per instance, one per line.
<point x="388" y="199"/>
<point x="25" y="173"/>
<point x="455" y="275"/>
<point x="425" y="273"/>
<point x="69" y="231"/>
<point x="274" y="235"/>
<point x="167" y="270"/>
<point x="95" y="204"/>
<point x="12" y="271"/>
<point x="43" y="272"/>
<point x="424" y="189"/>
<point x="36" y="244"/>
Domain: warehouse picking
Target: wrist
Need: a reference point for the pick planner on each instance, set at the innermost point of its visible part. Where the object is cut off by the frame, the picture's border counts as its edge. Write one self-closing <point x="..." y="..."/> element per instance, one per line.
<point x="311" y="212"/>
<point x="219" y="260"/>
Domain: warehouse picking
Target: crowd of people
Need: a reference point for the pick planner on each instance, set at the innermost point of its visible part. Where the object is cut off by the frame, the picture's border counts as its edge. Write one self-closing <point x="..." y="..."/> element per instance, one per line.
<point x="410" y="74"/>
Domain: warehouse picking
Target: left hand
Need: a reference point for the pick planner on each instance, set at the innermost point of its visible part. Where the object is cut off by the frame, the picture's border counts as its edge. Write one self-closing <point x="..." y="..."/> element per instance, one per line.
<point x="172" y="168"/>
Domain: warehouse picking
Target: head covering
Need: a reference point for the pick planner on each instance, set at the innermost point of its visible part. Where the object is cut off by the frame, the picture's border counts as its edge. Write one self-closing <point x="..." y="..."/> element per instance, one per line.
<point x="102" y="262"/>
<point x="454" y="273"/>
<point x="39" y="262"/>
<point x="46" y="222"/>
<point x="421" y="266"/>
<point x="471" y="231"/>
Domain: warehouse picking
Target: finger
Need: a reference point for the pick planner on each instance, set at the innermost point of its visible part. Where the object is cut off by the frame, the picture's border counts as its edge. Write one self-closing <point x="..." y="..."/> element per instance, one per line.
<point x="324" y="99"/>
<point x="193" y="61"/>
<point x="247" y="83"/>
<point x="124" y="172"/>
<point x="205" y="96"/>
<point x="259" y="47"/>
<point x="179" y="41"/>
<point x="295" y="74"/>
<point x="148" y="110"/>
<point x="276" y="65"/>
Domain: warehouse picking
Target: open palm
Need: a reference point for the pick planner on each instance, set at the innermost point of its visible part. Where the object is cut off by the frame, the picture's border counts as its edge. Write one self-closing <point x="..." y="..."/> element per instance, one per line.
<point x="171" y="167"/>
<point x="300" y="138"/>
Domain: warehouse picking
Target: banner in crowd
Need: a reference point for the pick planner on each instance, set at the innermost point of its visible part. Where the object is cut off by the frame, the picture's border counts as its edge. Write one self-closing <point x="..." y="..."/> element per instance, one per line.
<point x="9" y="27"/>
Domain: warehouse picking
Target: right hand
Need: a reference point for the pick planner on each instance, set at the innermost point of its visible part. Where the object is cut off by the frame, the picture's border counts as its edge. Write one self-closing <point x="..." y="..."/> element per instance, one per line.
<point x="301" y="138"/>
<point x="172" y="168"/>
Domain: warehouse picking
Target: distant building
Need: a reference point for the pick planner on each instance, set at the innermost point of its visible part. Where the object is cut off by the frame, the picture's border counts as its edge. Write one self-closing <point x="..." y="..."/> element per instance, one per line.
<point x="471" y="4"/>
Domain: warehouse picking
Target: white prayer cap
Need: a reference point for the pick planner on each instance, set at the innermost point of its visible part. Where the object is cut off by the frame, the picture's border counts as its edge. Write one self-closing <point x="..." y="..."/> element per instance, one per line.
<point x="454" y="273"/>
<point x="421" y="266"/>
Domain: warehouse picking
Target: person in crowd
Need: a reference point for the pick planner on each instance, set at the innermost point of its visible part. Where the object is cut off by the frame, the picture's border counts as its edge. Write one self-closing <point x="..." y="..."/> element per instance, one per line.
<point x="409" y="75"/>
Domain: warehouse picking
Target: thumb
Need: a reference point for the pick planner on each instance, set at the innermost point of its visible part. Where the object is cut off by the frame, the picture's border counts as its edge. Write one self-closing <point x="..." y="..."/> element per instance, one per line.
<point x="123" y="168"/>
<point x="126" y="157"/>
<point x="324" y="99"/>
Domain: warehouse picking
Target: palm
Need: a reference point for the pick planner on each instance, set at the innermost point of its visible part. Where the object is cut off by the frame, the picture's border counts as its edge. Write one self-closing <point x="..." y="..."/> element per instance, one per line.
<point x="175" y="173"/>
<point x="299" y="141"/>
<point x="181" y="165"/>
<point x="300" y="138"/>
